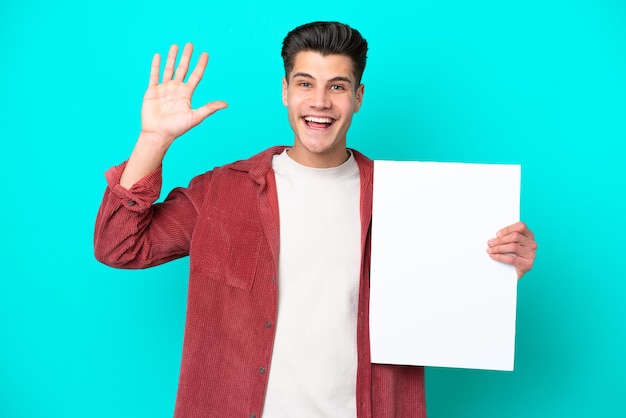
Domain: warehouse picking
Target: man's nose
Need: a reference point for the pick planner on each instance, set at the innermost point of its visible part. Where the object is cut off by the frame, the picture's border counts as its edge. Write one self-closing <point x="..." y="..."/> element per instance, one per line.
<point x="321" y="98"/>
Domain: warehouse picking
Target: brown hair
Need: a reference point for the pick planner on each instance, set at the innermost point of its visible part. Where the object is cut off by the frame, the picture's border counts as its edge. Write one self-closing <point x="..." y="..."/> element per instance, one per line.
<point x="327" y="38"/>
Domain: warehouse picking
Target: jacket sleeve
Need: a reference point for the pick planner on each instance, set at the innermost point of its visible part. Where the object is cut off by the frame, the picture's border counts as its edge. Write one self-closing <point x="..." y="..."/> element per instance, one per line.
<point x="133" y="232"/>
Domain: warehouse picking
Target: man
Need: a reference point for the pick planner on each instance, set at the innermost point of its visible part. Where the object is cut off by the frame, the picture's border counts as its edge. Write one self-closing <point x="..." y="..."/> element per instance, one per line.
<point x="279" y="246"/>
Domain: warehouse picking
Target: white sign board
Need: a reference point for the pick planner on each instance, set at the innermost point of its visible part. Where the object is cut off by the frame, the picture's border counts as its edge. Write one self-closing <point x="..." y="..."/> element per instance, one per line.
<point x="437" y="298"/>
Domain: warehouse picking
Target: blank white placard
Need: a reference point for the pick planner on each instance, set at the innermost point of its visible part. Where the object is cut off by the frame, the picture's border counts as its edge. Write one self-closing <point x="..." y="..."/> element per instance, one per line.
<point x="437" y="298"/>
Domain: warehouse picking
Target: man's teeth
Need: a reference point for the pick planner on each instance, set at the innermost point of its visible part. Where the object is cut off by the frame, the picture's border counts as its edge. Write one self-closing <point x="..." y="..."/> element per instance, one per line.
<point x="318" y="120"/>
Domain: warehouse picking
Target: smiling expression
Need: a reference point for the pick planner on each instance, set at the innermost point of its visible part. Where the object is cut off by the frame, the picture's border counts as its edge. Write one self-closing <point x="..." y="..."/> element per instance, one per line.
<point x="321" y="96"/>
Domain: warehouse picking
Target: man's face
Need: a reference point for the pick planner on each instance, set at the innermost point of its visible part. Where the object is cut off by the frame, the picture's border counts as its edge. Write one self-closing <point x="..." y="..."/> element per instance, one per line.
<point x="321" y="96"/>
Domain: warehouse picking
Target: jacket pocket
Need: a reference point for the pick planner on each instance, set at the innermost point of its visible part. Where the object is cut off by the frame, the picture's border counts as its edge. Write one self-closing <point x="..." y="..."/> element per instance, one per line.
<point x="227" y="251"/>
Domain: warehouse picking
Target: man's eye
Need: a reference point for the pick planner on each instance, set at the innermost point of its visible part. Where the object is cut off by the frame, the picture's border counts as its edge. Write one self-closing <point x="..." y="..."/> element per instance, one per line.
<point x="337" y="87"/>
<point x="304" y="84"/>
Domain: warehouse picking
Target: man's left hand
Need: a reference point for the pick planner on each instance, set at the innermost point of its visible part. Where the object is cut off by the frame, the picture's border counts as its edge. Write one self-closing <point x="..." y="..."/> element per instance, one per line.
<point x="514" y="245"/>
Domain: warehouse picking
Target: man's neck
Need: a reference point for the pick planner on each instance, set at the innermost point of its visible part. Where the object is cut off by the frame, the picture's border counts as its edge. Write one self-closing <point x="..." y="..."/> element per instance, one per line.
<point x="322" y="160"/>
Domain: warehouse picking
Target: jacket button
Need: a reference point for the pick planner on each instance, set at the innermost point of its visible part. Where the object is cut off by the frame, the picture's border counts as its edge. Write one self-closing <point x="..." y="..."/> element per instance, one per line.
<point x="131" y="203"/>
<point x="262" y="370"/>
<point x="252" y="416"/>
<point x="268" y="324"/>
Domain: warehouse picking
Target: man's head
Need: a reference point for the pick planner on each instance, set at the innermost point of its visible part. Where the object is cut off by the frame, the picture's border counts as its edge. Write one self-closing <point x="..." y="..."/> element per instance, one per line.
<point x="326" y="38"/>
<point x="322" y="89"/>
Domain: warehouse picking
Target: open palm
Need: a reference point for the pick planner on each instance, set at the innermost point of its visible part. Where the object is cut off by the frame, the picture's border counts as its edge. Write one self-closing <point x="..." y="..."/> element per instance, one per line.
<point x="166" y="109"/>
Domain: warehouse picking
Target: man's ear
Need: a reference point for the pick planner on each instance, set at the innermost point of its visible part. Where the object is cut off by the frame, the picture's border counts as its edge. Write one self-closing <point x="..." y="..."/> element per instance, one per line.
<point x="285" y="85"/>
<point x="359" y="97"/>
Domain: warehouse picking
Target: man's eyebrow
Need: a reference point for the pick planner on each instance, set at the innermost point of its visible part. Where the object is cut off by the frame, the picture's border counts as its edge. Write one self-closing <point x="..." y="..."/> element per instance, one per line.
<point x="334" y="79"/>
<point x="340" y="78"/>
<point x="301" y="74"/>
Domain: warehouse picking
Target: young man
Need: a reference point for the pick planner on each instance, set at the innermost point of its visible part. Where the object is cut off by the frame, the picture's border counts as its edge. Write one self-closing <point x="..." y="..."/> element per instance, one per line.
<point x="279" y="246"/>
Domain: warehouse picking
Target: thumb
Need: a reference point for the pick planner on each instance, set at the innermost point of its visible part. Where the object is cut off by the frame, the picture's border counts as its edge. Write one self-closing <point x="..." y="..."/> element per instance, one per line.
<point x="207" y="110"/>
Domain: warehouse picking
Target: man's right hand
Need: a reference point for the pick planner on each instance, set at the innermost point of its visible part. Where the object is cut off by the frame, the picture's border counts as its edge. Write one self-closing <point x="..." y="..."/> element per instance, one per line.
<point x="166" y="110"/>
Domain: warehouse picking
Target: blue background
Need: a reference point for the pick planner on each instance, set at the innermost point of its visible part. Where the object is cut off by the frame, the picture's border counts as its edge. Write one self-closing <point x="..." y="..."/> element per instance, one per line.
<point x="541" y="83"/>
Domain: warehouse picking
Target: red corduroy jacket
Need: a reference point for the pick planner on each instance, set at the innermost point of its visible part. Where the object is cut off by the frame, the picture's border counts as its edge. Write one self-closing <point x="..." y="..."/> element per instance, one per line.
<point x="227" y="221"/>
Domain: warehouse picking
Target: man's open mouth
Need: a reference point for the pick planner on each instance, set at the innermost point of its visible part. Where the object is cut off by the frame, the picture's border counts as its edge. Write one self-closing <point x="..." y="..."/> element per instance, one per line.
<point x="317" y="122"/>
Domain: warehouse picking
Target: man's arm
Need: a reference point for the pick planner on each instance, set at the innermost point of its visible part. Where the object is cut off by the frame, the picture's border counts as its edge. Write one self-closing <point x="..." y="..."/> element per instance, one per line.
<point x="515" y="245"/>
<point x="166" y="112"/>
<point x="131" y="231"/>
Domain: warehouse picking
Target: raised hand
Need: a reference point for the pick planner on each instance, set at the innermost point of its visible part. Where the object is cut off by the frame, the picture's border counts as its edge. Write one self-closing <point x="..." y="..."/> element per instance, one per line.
<point x="514" y="245"/>
<point x="166" y="111"/>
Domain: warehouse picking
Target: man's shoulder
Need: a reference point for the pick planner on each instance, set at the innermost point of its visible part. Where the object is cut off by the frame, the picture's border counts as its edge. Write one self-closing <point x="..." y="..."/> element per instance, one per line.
<point x="258" y="164"/>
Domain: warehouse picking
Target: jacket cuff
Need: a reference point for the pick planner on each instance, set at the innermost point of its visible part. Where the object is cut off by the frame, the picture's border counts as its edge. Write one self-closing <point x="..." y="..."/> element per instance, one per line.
<point x="141" y="195"/>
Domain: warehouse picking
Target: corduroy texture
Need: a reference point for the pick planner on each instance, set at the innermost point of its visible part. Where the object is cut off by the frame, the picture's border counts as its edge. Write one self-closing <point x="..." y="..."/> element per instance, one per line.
<point x="227" y="222"/>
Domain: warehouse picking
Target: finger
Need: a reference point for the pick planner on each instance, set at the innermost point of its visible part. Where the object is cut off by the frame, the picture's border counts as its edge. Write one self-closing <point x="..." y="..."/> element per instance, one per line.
<point x="508" y="238"/>
<point x="207" y="110"/>
<point x="519" y="227"/>
<point x="504" y="258"/>
<point x="513" y="243"/>
<point x="518" y="232"/>
<point x="183" y="64"/>
<point x="196" y="75"/>
<point x="513" y="249"/>
<point x="168" y="72"/>
<point x="154" y="70"/>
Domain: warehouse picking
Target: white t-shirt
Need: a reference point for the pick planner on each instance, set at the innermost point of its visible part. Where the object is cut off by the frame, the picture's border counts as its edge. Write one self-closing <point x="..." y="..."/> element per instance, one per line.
<point x="313" y="369"/>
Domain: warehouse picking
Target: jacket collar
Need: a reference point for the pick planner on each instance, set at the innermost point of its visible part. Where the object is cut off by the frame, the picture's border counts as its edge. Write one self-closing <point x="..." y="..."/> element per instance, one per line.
<point x="258" y="165"/>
